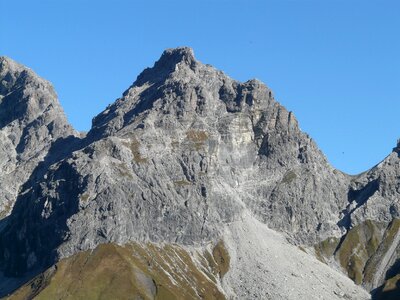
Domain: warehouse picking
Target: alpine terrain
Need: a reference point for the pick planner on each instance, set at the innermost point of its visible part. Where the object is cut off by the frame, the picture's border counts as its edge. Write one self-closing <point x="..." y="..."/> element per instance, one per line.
<point x="190" y="186"/>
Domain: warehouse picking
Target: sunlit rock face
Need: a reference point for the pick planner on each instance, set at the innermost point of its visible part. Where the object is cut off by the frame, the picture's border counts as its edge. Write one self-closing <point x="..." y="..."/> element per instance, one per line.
<point x="186" y="156"/>
<point x="31" y="121"/>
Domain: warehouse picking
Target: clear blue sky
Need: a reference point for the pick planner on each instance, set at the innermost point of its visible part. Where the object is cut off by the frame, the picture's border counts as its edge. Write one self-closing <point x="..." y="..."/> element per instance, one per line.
<point x="335" y="63"/>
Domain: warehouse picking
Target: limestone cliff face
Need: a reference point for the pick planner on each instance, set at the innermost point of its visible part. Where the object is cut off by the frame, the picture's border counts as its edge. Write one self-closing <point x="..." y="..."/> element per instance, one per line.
<point x="230" y="139"/>
<point x="31" y="119"/>
<point x="375" y="194"/>
<point x="184" y="153"/>
<point x="370" y="251"/>
<point x="185" y="150"/>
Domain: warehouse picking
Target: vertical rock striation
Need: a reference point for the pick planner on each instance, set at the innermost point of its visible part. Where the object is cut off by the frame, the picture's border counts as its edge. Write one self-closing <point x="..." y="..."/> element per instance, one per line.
<point x="31" y="120"/>
<point x="186" y="156"/>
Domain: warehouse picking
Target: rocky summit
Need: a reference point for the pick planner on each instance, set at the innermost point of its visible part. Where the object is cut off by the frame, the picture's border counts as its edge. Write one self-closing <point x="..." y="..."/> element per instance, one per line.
<point x="192" y="185"/>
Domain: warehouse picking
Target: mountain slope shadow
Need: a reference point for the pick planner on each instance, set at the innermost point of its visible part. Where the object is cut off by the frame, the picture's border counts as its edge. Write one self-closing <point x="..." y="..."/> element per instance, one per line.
<point x="23" y="256"/>
<point x="385" y="293"/>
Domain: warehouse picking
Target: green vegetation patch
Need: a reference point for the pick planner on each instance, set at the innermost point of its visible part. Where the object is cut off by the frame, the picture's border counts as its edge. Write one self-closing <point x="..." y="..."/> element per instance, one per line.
<point x="391" y="232"/>
<point x="99" y="274"/>
<point x="162" y="262"/>
<point x="6" y="210"/>
<point x="134" y="146"/>
<point x="84" y="197"/>
<point x="387" y="240"/>
<point x="182" y="183"/>
<point x="326" y="248"/>
<point x="358" y="246"/>
<point x="390" y="290"/>
<point x="218" y="260"/>
<point x="124" y="171"/>
<point x="289" y="177"/>
<point x="392" y="284"/>
<point x="197" y="138"/>
<point x="134" y="271"/>
<point x="222" y="258"/>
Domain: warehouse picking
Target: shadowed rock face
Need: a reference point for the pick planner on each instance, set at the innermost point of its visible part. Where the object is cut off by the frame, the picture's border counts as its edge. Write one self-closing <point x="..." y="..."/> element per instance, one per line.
<point x="218" y="133"/>
<point x="370" y="251"/>
<point x="31" y="119"/>
<point x="184" y="152"/>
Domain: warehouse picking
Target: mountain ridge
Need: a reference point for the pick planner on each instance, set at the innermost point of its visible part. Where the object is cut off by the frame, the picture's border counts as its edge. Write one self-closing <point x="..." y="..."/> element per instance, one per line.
<point x="185" y="152"/>
<point x="31" y="119"/>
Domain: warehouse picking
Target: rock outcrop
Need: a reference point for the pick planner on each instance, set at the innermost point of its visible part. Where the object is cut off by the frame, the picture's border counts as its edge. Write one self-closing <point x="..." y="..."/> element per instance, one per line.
<point x="188" y="156"/>
<point x="31" y="121"/>
<point x="369" y="252"/>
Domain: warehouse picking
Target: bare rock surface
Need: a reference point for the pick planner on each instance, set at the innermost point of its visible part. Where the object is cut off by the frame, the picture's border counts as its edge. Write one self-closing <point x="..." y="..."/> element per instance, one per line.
<point x="183" y="155"/>
<point x="31" y="120"/>
<point x="257" y="253"/>
<point x="372" y="224"/>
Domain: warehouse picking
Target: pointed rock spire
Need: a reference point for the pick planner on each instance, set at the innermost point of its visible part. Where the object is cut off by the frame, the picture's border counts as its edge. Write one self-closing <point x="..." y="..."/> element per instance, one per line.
<point x="167" y="64"/>
<point x="171" y="57"/>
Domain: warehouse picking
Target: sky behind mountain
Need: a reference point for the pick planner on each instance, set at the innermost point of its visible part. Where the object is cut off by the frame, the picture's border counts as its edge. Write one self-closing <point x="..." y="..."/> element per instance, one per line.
<point x="335" y="63"/>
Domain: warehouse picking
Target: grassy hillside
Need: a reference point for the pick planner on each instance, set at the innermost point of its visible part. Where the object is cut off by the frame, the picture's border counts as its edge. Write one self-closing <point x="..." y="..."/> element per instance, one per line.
<point x="135" y="271"/>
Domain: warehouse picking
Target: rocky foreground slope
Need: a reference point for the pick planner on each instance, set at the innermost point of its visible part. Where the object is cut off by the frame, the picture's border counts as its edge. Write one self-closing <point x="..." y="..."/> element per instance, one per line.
<point x="180" y="187"/>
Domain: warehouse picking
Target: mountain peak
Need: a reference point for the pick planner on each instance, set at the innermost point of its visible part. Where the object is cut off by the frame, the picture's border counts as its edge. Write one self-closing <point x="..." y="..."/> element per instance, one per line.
<point x="176" y="55"/>
<point x="187" y="156"/>
<point x="28" y="101"/>
<point x="10" y="66"/>
<point x="397" y="148"/>
<point x="167" y="64"/>
<point x="10" y="71"/>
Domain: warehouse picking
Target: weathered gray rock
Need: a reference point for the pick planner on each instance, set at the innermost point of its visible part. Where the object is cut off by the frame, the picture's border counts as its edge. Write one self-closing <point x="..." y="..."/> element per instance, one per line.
<point x="246" y="143"/>
<point x="31" y="119"/>
<point x="375" y="194"/>
<point x="372" y="220"/>
<point x="184" y="153"/>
